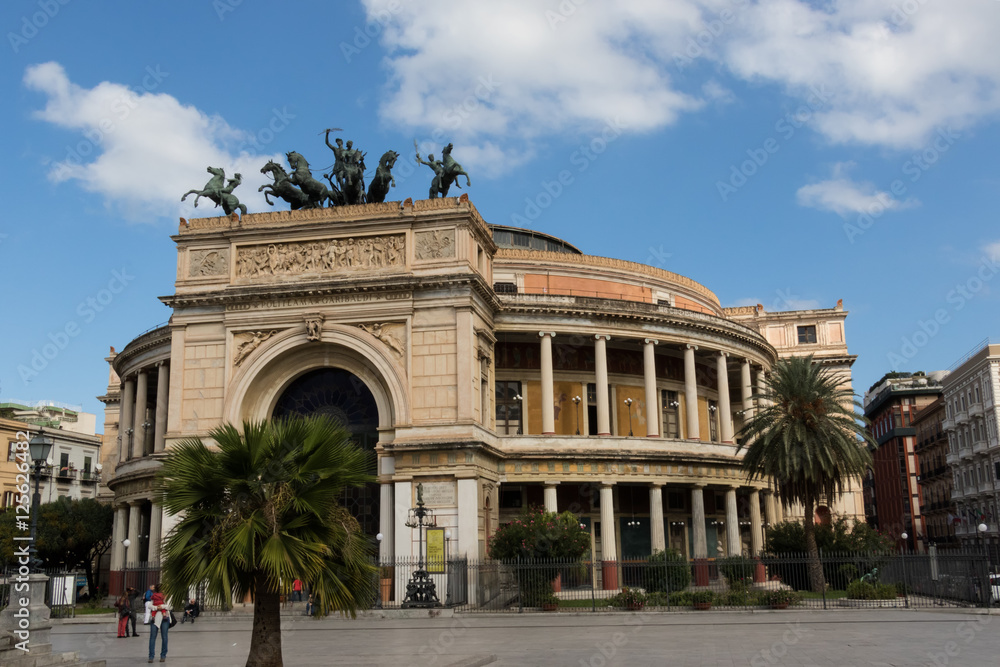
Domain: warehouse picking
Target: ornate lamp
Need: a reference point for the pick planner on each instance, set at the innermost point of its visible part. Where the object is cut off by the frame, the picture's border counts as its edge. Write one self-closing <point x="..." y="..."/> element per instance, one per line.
<point x="39" y="448"/>
<point x="421" y="592"/>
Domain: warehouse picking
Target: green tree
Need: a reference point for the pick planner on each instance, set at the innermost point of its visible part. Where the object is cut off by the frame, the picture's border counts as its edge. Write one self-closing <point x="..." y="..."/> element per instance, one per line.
<point x="71" y="534"/>
<point x="808" y="440"/>
<point x="540" y="544"/>
<point x="260" y="509"/>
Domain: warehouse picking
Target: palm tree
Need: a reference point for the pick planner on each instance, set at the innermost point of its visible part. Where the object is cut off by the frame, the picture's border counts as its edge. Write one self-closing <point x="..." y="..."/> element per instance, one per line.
<point x="807" y="440"/>
<point x="261" y="509"/>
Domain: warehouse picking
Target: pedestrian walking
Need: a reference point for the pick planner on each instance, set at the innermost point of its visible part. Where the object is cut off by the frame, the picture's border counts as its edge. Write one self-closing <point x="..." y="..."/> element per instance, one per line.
<point x="159" y="623"/>
<point x="121" y="606"/>
<point x="297" y="591"/>
<point x="133" y="608"/>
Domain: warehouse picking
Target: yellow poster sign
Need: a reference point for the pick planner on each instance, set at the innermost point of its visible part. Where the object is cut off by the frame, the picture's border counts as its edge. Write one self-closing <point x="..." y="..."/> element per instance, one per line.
<point x="435" y="550"/>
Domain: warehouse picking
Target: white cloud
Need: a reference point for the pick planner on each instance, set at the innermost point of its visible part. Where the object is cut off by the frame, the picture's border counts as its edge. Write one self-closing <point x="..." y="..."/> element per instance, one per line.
<point x="992" y="250"/>
<point x="142" y="150"/>
<point x="843" y="196"/>
<point x="888" y="78"/>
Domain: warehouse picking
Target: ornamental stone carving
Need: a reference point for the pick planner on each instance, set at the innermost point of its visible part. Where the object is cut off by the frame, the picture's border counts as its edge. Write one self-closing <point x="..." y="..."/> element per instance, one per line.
<point x="321" y="256"/>
<point x="208" y="263"/>
<point x="435" y="244"/>
<point x="314" y="326"/>
<point x="246" y="343"/>
<point x="390" y="334"/>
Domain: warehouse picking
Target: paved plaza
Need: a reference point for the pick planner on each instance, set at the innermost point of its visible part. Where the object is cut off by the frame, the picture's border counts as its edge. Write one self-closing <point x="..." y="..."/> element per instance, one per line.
<point x="832" y="638"/>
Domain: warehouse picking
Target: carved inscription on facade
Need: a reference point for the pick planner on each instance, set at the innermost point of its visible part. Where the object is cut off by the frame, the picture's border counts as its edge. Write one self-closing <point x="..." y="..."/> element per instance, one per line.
<point x="321" y="256"/>
<point x="208" y="263"/>
<point x="435" y="244"/>
<point x="439" y="494"/>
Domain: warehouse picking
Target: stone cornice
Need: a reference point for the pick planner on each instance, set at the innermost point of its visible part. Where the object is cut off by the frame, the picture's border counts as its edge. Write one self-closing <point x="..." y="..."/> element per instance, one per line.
<point x="315" y="289"/>
<point x="148" y="341"/>
<point x="596" y="308"/>
<point x="634" y="268"/>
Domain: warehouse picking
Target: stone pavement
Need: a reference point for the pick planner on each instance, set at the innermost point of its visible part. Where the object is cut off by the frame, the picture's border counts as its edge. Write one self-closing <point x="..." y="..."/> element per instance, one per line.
<point x="758" y="639"/>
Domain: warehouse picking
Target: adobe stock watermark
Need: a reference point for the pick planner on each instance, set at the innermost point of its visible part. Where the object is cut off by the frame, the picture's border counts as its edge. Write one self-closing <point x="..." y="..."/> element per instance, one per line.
<point x="776" y="652"/>
<point x="957" y="298"/>
<point x="254" y="145"/>
<point x="914" y="167"/>
<point x="362" y="37"/>
<point x="223" y="7"/>
<point x="31" y="25"/>
<point x="710" y="31"/>
<point x="87" y="311"/>
<point x="581" y="158"/>
<point x="563" y="12"/>
<point x="786" y="126"/>
<point x="120" y="110"/>
<point x="967" y="631"/>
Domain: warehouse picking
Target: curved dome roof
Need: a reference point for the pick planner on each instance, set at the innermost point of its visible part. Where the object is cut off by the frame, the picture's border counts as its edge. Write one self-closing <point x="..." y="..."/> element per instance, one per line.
<point x="517" y="238"/>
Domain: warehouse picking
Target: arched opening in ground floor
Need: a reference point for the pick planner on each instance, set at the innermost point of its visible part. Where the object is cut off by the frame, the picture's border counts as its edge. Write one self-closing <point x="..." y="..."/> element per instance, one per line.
<point x="345" y="398"/>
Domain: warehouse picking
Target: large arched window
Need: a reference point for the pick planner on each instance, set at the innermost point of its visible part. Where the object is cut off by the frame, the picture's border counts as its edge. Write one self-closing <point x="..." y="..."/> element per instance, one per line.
<point x="342" y="396"/>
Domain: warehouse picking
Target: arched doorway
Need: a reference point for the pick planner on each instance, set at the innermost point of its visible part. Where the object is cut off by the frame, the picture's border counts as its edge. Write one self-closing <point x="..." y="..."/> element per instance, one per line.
<point x="341" y="395"/>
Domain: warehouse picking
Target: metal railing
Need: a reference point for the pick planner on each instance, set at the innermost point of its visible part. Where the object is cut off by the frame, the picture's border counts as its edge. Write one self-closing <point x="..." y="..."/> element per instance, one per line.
<point x="952" y="578"/>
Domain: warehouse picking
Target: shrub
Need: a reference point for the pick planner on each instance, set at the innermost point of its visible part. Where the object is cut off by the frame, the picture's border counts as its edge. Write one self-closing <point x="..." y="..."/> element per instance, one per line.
<point x="739" y="597"/>
<point x="667" y="571"/>
<point x="702" y="597"/>
<point x="681" y="599"/>
<point x="779" y="597"/>
<point x="862" y="590"/>
<point x="629" y="597"/>
<point x="737" y="570"/>
<point x="547" y="541"/>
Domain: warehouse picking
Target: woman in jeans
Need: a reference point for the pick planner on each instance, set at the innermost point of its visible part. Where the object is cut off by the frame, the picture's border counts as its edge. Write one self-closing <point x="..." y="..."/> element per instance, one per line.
<point x="160" y="622"/>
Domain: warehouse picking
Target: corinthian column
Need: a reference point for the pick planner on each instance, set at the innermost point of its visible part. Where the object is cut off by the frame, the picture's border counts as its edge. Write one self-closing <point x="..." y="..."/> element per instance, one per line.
<point x="548" y="391"/>
<point x="725" y="409"/>
<point x="691" y="395"/>
<point x="160" y="418"/>
<point x="649" y="372"/>
<point x="601" y="379"/>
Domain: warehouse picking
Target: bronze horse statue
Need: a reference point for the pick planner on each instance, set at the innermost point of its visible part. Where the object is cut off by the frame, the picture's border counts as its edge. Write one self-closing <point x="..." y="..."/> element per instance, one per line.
<point x="302" y="177"/>
<point x="452" y="170"/>
<point x="282" y="187"/>
<point x="221" y="194"/>
<point x="383" y="180"/>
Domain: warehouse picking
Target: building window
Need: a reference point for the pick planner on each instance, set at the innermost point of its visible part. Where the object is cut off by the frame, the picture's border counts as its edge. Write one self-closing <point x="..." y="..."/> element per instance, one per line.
<point x="86" y="464"/>
<point x="508" y="397"/>
<point x="713" y="423"/>
<point x="807" y="334"/>
<point x="996" y="469"/>
<point x="511" y="497"/>
<point x="505" y="288"/>
<point x="671" y="414"/>
<point x="12" y="450"/>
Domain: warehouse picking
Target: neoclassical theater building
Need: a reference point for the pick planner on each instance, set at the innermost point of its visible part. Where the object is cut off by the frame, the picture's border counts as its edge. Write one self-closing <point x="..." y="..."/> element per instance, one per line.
<point x="499" y="367"/>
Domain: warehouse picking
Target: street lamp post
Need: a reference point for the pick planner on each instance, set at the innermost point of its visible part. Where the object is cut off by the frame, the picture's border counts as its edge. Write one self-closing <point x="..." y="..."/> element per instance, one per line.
<point x="420" y="590"/>
<point x="447" y="596"/>
<point x="131" y="440"/>
<point x="987" y="586"/>
<point x="39" y="448"/>
<point x="125" y="543"/>
<point x="145" y="436"/>
<point x="902" y="558"/>
<point x="628" y="402"/>
<point x="378" y="588"/>
<point x="576" y="400"/>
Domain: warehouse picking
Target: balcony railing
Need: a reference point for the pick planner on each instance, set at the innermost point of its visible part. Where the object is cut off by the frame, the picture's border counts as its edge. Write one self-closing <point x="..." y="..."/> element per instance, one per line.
<point x="65" y="473"/>
<point x="89" y="477"/>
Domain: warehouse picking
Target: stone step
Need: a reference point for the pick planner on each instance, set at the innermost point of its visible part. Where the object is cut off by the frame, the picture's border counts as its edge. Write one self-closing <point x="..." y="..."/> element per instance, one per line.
<point x="34" y="659"/>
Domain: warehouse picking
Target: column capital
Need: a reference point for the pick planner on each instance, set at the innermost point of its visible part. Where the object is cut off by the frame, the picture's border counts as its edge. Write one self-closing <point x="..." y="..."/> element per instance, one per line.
<point x="690" y="346"/>
<point x="550" y="483"/>
<point x="161" y="364"/>
<point x="600" y="336"/>
<point x="699" y="485"/>
<point x="543" y="334"/>
<point x="649" y="341"/>
<point x="607" y="484"/>
<point x="656" y="485"/>
<point x="723" y="353"/>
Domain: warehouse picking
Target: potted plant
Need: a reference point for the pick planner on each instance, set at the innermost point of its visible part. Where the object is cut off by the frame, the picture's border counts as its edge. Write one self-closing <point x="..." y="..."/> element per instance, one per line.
<point x="629" y="598"/>
<point x="780" y="599"/>
<point x="550" y="602"/>
<point x="702" y="599"/>
<point x="385" y="582"/>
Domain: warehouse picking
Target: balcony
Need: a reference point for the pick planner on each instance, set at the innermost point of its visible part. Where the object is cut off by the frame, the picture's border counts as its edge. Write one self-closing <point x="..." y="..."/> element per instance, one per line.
<point x="961" y="417"/>
<point x="948" y="424"/>
<point x="89" y="477"/>
<point x="951" y="458"/>
<point x="65" y="474"/>
<point x="977" y="410"/>
<point x="980" y="447"/>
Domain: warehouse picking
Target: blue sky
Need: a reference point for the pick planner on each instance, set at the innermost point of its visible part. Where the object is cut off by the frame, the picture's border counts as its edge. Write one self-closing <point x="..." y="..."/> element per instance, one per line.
<point x="781" y="152"/>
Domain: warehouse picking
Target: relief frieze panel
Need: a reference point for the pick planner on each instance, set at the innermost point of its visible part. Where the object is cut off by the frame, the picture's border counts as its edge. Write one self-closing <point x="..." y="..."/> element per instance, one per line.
<point x="208" y="263"/>
<point x="292" y="258"/>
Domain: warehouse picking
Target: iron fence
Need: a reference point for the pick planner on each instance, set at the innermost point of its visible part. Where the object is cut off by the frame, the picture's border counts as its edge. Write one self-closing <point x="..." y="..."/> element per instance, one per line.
<point x="850" y="580"/>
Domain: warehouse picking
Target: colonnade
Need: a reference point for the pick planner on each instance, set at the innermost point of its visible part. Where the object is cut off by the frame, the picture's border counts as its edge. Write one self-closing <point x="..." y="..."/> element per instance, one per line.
<point x="133" y="426"/>
<point x="726" y="430"/>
